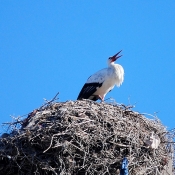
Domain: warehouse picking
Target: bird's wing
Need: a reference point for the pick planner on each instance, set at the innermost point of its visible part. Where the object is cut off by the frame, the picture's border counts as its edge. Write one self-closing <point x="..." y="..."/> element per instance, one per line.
<point x="98" y="77"/>
<point x="93" y="82"/>
<point x="88" y="90"/>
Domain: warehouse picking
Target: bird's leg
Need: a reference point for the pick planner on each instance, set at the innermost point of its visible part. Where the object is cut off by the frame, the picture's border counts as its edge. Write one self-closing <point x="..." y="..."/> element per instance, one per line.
<point x="100" y="98"/>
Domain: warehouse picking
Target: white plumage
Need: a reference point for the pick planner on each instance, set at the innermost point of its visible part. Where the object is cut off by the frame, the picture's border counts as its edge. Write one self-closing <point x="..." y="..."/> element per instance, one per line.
<point x="103" y="81"/>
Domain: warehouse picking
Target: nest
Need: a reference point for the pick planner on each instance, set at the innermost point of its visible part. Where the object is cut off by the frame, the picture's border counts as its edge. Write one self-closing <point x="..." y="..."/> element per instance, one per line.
<point x="84" y="137"/>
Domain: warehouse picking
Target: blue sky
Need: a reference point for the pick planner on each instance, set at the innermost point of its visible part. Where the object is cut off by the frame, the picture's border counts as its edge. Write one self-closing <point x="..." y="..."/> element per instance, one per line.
<point x="54" y="46"/>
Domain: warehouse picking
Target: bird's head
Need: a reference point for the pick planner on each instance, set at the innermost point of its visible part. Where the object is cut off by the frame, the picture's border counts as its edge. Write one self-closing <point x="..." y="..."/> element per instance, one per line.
<point x="114" y="58"/>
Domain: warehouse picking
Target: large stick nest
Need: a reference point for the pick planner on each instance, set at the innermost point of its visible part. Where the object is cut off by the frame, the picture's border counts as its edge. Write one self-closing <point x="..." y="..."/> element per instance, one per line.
<point x="83" y="137"/>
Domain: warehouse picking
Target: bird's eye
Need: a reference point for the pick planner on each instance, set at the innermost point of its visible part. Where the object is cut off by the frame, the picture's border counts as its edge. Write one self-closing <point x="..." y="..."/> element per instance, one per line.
<point x="110" y="58"/>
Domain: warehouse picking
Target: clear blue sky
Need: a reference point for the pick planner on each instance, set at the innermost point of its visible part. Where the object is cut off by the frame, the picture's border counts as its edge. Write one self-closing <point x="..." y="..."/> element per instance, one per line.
<point x="54" y="46"/>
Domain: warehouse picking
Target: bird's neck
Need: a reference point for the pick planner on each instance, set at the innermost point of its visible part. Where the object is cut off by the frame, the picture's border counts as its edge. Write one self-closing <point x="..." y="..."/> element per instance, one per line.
<point x="111" y="64"/>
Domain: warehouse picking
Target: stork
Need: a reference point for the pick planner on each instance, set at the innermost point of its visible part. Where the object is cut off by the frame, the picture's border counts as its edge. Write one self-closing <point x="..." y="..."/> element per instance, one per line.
<point x="103" y="81"/>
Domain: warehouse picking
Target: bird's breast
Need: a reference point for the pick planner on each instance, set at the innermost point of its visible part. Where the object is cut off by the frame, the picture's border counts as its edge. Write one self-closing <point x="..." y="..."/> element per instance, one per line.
<point x="118" y="74"/>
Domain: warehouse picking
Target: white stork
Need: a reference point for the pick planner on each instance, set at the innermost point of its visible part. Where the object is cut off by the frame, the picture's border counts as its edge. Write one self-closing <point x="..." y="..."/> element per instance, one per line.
<point x="103" y="81"/>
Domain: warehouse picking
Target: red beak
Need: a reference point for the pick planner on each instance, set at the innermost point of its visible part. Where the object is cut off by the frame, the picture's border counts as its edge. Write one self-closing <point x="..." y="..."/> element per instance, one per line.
<point x="116" y="56"/>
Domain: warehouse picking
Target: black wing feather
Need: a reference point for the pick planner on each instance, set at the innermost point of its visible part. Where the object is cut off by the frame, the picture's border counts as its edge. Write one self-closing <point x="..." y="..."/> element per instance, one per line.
<point x="88" y="90"/>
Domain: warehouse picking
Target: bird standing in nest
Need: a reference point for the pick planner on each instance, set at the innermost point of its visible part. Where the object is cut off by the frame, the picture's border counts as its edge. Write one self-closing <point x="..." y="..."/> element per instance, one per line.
<point x="103" y="81"/>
